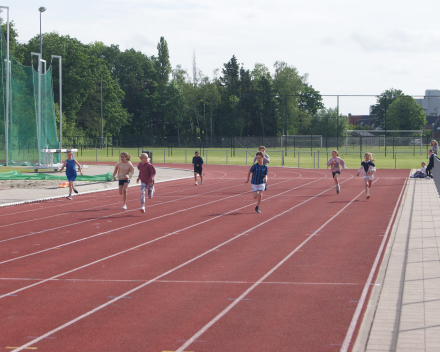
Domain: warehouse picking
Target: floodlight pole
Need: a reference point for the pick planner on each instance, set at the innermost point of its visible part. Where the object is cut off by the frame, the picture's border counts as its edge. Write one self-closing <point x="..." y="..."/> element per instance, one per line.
<point x="61" y="99"/>
<point x="39" y="106"/>
<point x="8" y="69"/>
<point x="102" y="120"/>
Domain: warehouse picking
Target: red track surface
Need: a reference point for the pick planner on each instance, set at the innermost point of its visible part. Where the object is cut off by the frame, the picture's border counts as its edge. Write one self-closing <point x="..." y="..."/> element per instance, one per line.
<point x="84" y="275"/>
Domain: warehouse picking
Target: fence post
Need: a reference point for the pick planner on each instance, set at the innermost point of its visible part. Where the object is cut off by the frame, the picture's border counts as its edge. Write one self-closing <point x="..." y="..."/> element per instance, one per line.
<point x="119" y="153"/>
<point x="282" y="158"/>
<point x="327" y="159"/>
<point x="298" y="159"/>
<point x="96" y="150"/>
<point x="206" y="157"/>
<point x="318" y="159"/>
<point x="395" y="160"/>
<point x="185" y="155"/>
<point x="227" y="157"/>
<point x="164" y="156"/>
<point x="314" y="154"/>
<point x="246" y="157"/>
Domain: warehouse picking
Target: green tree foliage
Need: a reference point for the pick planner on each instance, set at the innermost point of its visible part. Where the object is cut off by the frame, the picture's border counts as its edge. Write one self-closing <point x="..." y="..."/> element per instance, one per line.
<point x="381" y="107"/>
<point x="405" y="114"/>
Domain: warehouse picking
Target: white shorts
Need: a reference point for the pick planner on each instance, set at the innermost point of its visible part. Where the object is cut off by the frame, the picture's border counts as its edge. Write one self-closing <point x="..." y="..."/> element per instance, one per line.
<point x="256" y="188"/>
<point x="371" y="178"/>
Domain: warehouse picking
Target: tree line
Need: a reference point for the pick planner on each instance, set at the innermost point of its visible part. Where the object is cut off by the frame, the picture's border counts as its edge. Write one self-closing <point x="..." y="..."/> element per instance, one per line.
<point x="145" y="96"/>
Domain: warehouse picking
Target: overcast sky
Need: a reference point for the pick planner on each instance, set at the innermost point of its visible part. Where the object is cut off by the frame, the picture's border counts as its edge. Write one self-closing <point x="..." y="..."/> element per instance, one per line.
<point x="346" y="47"/>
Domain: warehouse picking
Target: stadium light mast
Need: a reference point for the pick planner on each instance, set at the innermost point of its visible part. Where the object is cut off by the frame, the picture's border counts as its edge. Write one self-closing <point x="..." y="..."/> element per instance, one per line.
<point x="41" y="9"/>
<point x="39" y="106"/>
<point x="102" y="120"/>
<point x="8" y="70"/>
<point x="61" y="100"/>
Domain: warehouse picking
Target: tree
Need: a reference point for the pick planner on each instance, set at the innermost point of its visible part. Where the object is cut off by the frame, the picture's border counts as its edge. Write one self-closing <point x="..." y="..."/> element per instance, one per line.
<point x="384" y="101"/>
<point x="405" y="114"/>
<point x="230" y="76"/>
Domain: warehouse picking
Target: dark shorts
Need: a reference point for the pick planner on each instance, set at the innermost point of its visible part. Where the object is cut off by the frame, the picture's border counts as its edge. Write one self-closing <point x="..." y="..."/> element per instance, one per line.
<point x="71" y="177"/>
<point x="198" y="170"/>
<point x="337" y="172"/>
<point x="121" y="182"/>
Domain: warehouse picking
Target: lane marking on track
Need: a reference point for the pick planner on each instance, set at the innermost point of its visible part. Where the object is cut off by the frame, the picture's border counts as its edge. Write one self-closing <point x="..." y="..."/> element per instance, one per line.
<point x="181" y="266"/>
<point x="119" y="213"/>
<point x="357" y="313"/>
<point x="156" y="239"/>
<point x="244" y="294"/>
<point x="97" y="207"/>
<point x="193" y="281"/>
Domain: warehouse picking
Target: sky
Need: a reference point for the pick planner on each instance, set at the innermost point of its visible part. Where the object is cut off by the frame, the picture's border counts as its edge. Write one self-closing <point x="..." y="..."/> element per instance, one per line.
<point x="345" y="47"/>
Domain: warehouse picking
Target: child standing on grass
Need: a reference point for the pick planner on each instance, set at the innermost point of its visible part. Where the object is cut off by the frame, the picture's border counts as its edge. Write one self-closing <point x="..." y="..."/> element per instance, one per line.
<point x="336" y="162"/>
<point x="259" y="177"/>
<point x="266" y="160"/>
<point x="368" y="169"/>
<point x="125" y="171"/>
<point x="69" y="164"/>
<point x="198" y="162"/>
<point x="146" y="176"/>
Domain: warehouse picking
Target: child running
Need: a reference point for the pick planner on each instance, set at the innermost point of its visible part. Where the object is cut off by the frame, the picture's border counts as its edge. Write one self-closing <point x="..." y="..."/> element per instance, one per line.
<point x="259" y="177"/>
<point x="198" y="162"/>
<point x="368" y="169"/>
<point x="125" y="171"/>
<point x="266" y="160"/>
<point x="70" y="163"/>
<point x="146" y="176"/>
<point x="336" y="162"/>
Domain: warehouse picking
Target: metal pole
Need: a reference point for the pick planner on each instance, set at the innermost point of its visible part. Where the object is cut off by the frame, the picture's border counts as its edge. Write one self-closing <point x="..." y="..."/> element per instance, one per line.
<point x="285" y="148"/>
<point x="298" y="159"/>
<point x="39" y="106"/>
<point x="7" y="89"/>
<point x="337" y="124"/>
<point x="61" y="99"/>
<point x="385" y="139"/>
<point x="395" y="160"/>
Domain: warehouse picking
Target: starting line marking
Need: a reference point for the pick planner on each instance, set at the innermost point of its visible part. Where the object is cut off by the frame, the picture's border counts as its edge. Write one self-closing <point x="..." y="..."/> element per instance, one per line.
<point x="26" y="348"/>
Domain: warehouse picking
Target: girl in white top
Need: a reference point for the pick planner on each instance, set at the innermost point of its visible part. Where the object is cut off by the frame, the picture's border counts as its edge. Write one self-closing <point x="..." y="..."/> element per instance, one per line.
<point x="368" y="169"/>
<point x="336" y="162"/>
<point x="125" y="171"/>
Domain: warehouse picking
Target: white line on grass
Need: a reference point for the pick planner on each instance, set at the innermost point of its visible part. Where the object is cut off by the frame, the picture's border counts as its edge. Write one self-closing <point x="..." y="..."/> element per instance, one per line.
<point x="361" y="302"/>
<point x="186" y="263"/>
<point x="244" y="294"/>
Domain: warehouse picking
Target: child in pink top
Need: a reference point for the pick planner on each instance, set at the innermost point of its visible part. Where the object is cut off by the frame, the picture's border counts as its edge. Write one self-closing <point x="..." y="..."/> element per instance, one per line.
<point x="146" y="176"/>
<point x="336" y="162"/>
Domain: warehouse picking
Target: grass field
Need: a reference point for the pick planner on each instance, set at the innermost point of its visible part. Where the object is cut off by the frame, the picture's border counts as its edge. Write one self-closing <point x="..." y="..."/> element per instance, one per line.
<point x="402" y="158"/>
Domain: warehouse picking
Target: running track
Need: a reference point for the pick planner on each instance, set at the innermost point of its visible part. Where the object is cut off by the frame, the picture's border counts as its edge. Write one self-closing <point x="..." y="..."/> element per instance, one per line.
<point x="200" y="271"/>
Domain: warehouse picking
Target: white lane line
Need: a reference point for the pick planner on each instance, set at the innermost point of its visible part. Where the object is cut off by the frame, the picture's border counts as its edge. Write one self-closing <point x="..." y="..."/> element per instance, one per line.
<point x="357" y="313"/>
<point x="99" y="206"/>
<point x="144" y="221"/>
<point x="244" y="294"/>
<point x="114" y="214"/>
<point x="181" y="266"/>
<point x="191" y="281"/>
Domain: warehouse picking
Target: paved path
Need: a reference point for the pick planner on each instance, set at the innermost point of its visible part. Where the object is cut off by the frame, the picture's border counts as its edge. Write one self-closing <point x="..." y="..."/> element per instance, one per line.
<point x="403" y="313"/>
<point x="17" y="195"/>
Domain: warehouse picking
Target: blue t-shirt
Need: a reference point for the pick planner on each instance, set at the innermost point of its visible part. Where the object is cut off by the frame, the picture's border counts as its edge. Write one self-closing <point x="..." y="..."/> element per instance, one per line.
<point x="258" y="174"/>
<point x="197" y="160"/>
<point x="70" y="167"/>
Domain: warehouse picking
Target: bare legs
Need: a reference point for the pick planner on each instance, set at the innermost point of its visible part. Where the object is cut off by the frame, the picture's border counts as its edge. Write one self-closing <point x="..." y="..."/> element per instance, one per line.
<point x="258" y="196"/>
<point x="123" y="192"/>
<point x="367" y="187"/>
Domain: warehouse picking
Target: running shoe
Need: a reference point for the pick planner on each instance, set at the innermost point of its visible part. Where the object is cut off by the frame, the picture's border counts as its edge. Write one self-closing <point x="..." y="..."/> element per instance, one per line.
<point x="196" y="183"/>
<point x="143" y="210"/>
<point x="338" y="189"/>
<point x="69" y="197"/>
<point x="75" y="190"/>
<point x="124" y="207"/>
<point x="201" y="182"/>
<point x="257" y="210"/>
<point x="265" y="188"/>
<point x="368" y="196"/>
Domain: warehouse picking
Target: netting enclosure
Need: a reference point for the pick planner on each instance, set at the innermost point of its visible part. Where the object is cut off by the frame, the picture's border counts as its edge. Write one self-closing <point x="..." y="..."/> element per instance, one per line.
<point x="20" y="127"/>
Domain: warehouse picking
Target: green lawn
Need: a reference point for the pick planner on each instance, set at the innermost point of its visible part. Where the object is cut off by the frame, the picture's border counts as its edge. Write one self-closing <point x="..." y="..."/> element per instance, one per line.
<point x="406" y="157"/>
<point x="20" y="169"/>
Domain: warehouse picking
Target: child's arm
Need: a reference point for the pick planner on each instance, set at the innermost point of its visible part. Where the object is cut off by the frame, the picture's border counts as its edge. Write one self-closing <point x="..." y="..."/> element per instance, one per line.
<point x="139" y="176"/>
<point x="330" y="162"/>
<point x="359" y="171"/>
<point x="152" y="171"/>
<point x="249" y="175"/>
<point x="79" y="167"/>
<point x="267" y="158"/>
<point x="131" y="172"/>
<point x="343" y="164"/>
<point x="64" y="164"/>
<point x="115" y="172"/>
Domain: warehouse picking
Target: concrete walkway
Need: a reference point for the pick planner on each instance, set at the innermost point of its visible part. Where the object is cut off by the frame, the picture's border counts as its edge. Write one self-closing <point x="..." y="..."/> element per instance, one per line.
<point x="403" y="313"/>
<point x="23" y="195"/>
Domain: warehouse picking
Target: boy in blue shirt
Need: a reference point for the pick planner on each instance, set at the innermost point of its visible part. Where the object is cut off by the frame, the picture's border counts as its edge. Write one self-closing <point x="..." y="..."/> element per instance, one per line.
<point x="198" y="162"/>
<point x="259" y="177"/>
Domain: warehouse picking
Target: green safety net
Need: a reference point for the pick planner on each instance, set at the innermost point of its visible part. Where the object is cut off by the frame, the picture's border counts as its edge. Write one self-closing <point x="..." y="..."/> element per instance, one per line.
<point x="15" y="175"/>
<point x="23" y="111"/>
